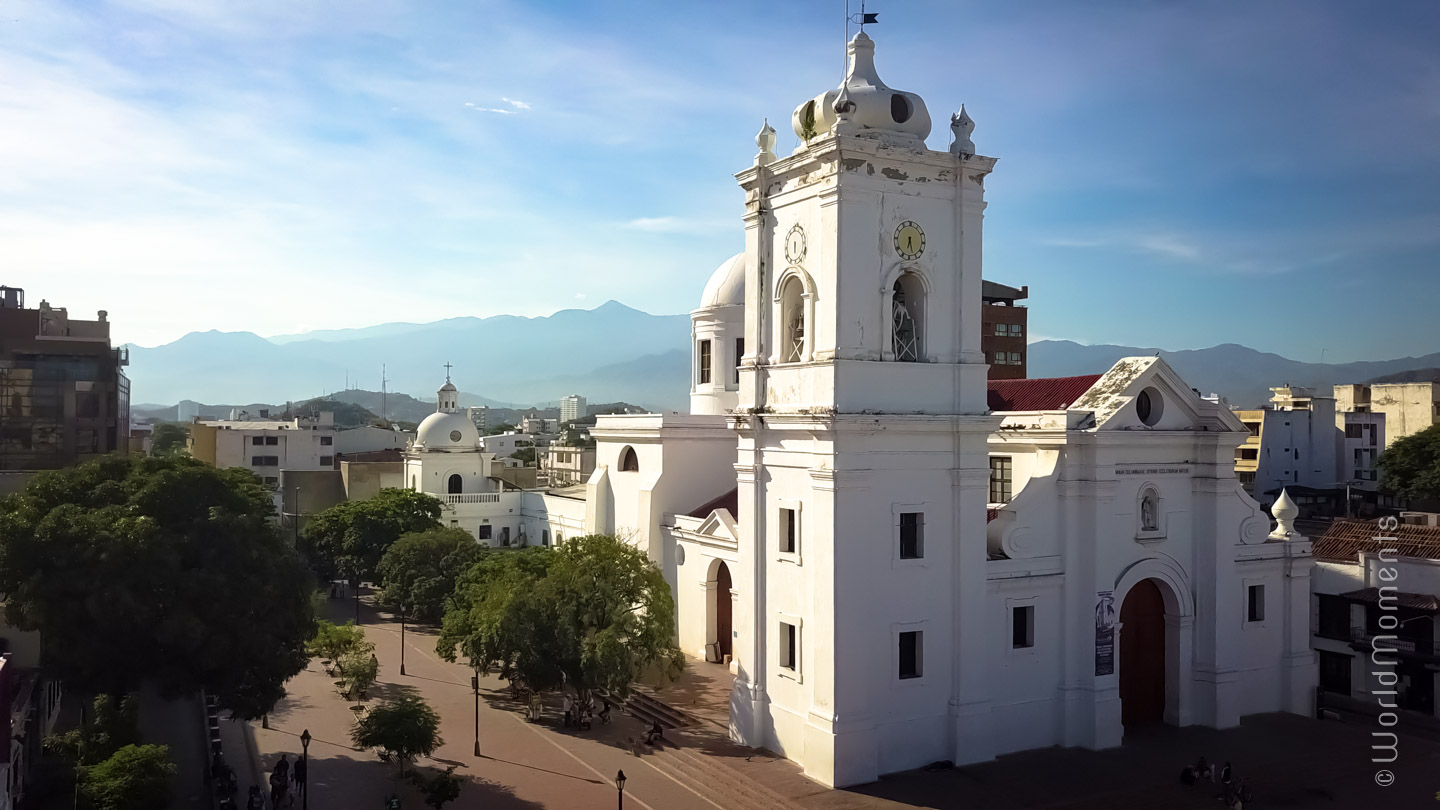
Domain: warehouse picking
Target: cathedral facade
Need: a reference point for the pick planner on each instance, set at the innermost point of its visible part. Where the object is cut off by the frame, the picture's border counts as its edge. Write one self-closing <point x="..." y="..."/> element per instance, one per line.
<point x="901" y="562"/>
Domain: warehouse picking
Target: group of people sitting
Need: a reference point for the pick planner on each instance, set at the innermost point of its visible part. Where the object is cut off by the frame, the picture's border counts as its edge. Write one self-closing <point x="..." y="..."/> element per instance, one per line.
<point x="581" y="715"/>
<point x="1236" y="793"/>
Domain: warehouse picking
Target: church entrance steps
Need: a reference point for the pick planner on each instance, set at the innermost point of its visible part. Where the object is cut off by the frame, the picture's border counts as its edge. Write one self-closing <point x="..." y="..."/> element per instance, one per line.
<point x="645" y="706"/>
<point x="719" y="783"/>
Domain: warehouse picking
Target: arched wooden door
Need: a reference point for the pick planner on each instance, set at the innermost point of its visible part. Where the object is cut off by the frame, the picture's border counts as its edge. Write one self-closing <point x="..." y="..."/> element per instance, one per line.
<point x="455" y="484"/>
<point x="1142" y="656"/>
<point x="723" y="604"/>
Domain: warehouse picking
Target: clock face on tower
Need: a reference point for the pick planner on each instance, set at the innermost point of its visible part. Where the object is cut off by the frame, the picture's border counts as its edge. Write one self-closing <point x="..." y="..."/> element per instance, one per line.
<point x="795" y="245"/>
<point x="909" y="240"/>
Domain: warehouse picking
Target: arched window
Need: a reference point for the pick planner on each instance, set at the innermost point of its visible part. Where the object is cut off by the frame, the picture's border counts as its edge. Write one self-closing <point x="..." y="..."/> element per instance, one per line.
<point x="455" y="484"/>
<point x="907" y="314"/>
<point x="544" y="537"/>
<point x="793" y="324"/>
<point x="629" y="462"/>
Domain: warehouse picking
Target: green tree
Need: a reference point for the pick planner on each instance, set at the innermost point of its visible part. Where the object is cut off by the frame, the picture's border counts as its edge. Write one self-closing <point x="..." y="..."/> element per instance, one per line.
<point x="162" y="569"/>
<point x="418" y="573"/>
<point x="136" y="777"/>
<point x="358" y="670"/>
<point x="333" y="641"/>
<point x="350" y="538"/>
<point x="402" y="729"/>
<point x="440" y="789"/>
<point x="1410" y="467"/>
<point x="114" y="725"/>
<point x="169" y="438"/>
<point x="526" y="455"/>
<point x="594" y="613"/>
<point x="496" y="430"/>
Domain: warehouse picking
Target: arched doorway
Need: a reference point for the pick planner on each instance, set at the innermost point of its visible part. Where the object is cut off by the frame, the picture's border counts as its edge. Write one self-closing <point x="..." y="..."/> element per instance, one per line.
<point x="455" y="484"/>
<point x="724" y="632"/>
<point x="1142" y="656"/>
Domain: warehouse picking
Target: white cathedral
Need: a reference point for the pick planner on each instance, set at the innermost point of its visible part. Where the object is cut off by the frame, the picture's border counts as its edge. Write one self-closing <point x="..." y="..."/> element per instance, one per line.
<point x="900" y="562"/>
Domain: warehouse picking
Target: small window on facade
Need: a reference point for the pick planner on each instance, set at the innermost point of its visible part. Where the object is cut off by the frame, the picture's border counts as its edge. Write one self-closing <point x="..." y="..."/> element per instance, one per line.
<point x="327" y="461"/>
<point x="1015" y="358"/>
<point x="483" y="533"/>
<point x="1022" y="627"/>
<point x="257" y="440"/>
<point x="1002" y="329"/>
<point x="1334" y="617"/>
<point x="907" y="307"/>
<point x="1255" y="610"/>
<point x="912" y="535"/>
<point x="455" y="485"/>
<point x="544" y="537"/>
<point x="504" y="535"/>
<point x="704" y="362"/>
<point x="792" y="321"/>
<point x="789" y="530"/>
<point x="739" y="353"/>
<point x="326" y="441"/>
<point x="789" y="646"/>
<point x="911" y="654"/>
<point x="629" y="462"/>
<point x="1000" y="479"/>
<point x="272" y="440"/>
<point x="1353" y="431"/>
<point x="1017" y="330"/>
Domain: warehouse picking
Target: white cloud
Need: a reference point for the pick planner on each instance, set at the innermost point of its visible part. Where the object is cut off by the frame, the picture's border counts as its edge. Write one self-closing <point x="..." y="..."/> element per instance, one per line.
<point x="677" y="225"/>
<point x="521" y="105"/>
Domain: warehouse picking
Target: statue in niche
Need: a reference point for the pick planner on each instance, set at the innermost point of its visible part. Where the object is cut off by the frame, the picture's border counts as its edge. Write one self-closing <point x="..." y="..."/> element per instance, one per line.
<point x="1147" y="513"/>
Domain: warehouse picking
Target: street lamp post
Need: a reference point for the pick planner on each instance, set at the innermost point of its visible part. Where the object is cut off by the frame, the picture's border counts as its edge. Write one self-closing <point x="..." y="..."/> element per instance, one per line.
<point x="475" y="685"/>
<point x="402" y="639"/>
<point x="305" y="753"/>
<point x="620" y="787"/>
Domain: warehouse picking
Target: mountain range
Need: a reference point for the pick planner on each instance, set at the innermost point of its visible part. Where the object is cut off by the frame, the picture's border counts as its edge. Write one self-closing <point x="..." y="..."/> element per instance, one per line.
<point x="608" y="354"/>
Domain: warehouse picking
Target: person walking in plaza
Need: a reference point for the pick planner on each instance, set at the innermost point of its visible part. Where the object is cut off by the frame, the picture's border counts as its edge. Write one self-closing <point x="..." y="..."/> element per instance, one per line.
<point x="279" y="783"/>
<point x="1225" y="774"/>
<point x="256" y="800"/>
<point x="298" y="780"/>
<point x="605" y="713"/>
<point x="569" y="707"/>
<point x="283" y="766"/>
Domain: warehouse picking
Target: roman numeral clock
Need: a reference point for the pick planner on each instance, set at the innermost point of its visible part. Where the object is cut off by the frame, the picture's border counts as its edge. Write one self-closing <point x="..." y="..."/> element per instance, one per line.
<point x="909" y="240"/>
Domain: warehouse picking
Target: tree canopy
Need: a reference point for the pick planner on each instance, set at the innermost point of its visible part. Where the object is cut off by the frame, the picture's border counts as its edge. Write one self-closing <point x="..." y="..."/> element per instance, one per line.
<point x="1410" y="467"/>
<point x="158" y="568"/>
<point x="403" y="728"/>
<point x="349" y="539"/>
<point x="418" y="573"/>
<point x="169" y="438"/>
<point x="594" y="613"/>
<point x="136" y="777"/>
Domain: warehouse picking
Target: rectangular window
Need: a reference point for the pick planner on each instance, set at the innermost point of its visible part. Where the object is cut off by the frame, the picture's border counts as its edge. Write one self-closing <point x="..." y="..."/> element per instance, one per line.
<point x="257" y="440"/>
<point x="1022" y="627"/>
<point x="704" y="362"/>
<point x="1255" y="609"/>
<point x="1000" y="472"/>
<point x="1017" y="330"/>
<point x="272" y="440"/>
<point x="911" y="655"/>
<point x="912" y="535"/>
<point x="789" y="646"/>
<point x="1002" y="329"/>
<point x="1353" y="431"/>
<point x="1334" y="617"/>
<point x="327" y="461"/>
<point x="1335" y="672"/>
<point x="739" y="353"/>
<point x="1000" y="359"/>
<point x="265" y="461"/>
<point x="326" y="441"/>
<point x="1015" y="358"/>
<point x="483" y="533"/>
<point x="789" y="530"/>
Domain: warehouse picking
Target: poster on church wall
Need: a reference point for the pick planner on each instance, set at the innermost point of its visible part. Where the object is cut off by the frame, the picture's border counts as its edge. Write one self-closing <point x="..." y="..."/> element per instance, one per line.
<point x="1105" y="633"/>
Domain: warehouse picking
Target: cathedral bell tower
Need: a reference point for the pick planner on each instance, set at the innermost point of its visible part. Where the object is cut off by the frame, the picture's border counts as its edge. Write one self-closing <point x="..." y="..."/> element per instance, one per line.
<point x="862" y="425"/>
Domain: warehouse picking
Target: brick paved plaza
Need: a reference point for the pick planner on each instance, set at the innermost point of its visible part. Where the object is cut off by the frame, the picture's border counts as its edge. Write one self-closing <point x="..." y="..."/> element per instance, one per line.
<point x="1291" y="761"/>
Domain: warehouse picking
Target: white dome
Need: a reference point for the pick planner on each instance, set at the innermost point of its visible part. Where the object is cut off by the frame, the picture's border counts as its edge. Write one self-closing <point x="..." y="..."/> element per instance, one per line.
<point x="726" y="286"/>
<point x="447" y="431"/>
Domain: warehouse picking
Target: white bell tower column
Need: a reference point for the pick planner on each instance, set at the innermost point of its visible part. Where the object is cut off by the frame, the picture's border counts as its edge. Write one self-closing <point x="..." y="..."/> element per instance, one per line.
<point x="863" y="432"/>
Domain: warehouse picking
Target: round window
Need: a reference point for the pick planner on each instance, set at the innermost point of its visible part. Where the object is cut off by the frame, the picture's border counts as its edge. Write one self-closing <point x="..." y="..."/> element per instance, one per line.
<point x="900" y="108"/>
<point x="454" y="435"/>
<point x="1149" y="406"/>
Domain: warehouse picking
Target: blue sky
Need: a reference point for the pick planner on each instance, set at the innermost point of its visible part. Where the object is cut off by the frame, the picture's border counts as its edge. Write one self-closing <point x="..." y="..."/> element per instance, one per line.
<point x="1172" y="174"/>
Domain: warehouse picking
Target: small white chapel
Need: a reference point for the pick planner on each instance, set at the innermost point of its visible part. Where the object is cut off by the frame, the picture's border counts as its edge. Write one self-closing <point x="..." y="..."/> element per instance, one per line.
<point x="900" y="562"/>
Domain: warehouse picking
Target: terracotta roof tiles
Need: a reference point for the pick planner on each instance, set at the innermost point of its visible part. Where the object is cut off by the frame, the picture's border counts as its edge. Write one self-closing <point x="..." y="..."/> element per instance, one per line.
<point x="1347" y="538"/>
<point x="1046" y="394"/>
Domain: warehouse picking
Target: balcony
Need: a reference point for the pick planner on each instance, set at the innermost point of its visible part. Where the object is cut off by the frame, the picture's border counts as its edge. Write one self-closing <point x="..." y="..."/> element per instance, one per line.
<point x="1408" y="646"/>
<point x="471" y="497"/>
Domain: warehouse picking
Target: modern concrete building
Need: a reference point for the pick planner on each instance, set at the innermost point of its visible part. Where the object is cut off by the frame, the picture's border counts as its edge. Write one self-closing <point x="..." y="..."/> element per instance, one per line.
<point x="479" y="416"/>
<point x="1408" y="407"/>
<point x="64" y="397"/>
<point x="266" y="447"/>
<point x="565" y="466"/>
<point x="1004" y="328"/>
<point x="572" y="407"/>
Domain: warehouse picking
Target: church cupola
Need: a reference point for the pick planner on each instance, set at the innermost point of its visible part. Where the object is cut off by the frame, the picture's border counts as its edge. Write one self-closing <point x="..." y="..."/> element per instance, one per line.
<point x="862" y="105"/>
<point x="447" y="399"/>
<point x="718" y="330"/>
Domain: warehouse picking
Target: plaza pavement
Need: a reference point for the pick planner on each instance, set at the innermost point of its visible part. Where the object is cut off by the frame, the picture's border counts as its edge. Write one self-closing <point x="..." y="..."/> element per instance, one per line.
<point x="1292" y="762"/>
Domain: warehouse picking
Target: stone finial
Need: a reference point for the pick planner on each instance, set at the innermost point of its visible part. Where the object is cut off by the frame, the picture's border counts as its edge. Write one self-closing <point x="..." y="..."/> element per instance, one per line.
<point x="1284" y="511"/>
<point x="961" y="127"/>
<point x="766" y="141"/>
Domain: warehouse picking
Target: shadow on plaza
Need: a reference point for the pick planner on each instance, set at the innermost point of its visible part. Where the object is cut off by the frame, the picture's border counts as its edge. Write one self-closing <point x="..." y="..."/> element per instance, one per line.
<point x="337" y="779"/>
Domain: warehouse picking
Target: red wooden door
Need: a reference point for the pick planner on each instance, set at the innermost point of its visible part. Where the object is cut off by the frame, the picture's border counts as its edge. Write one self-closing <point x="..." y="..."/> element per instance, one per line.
<point x="1142" y="656"/>
<point x="723" y="604"/>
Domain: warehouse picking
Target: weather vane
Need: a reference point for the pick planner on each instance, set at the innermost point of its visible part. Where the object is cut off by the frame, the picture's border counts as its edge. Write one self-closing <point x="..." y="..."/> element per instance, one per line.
<point x="861" y="19"/>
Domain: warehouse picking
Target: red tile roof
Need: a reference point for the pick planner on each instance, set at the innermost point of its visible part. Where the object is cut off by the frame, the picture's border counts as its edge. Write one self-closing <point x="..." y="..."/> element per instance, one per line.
<point x="1414" y="601"/>
<point x="1049" y="394"/>
<point x="730" y="501"/>
<point x="1347" y="538"/>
